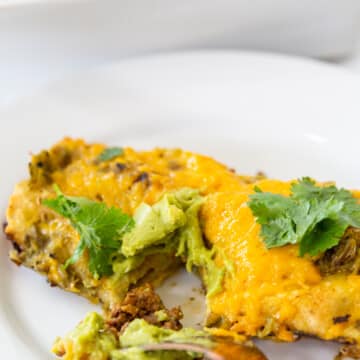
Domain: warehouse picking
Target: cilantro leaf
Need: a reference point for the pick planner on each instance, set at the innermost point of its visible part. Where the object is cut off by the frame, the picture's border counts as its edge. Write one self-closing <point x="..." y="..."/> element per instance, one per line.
<point x="100" y="229"/>
<point x="271" y="211"/>
<point x="110" y="153"/>
<point x="325" y="235"/>
<point x="307" y="189"/>
<point x="312" y="216"/>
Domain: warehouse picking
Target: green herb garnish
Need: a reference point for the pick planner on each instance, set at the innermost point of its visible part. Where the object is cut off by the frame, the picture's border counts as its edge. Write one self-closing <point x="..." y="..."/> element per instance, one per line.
<point x="312" y="216"/>
<point x="110" y="153"/>
<point x="100" y="229"/>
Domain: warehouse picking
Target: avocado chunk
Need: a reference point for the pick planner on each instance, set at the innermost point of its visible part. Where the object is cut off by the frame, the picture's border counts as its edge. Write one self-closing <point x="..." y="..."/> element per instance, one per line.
<point x="172" y="224"/>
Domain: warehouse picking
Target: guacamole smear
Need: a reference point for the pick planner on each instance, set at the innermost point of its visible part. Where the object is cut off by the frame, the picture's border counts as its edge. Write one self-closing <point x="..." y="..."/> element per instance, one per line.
<point x="88" y="340"/>
<point x="172" y="224"/>
<point x="92" y="340"/>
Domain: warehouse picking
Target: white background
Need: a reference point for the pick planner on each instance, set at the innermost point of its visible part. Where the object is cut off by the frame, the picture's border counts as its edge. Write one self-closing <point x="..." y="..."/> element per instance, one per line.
<point x="41" y="41"/>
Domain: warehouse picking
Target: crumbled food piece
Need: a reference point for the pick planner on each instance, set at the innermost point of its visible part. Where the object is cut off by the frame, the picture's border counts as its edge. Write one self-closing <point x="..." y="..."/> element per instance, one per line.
<point x="142" y="302"/>
<point x="348" y="352"/>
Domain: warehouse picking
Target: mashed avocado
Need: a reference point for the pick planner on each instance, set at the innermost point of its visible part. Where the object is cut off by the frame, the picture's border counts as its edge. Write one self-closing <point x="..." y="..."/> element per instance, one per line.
<point x="92" y="340"/>
<point x="172" y="224"/>
<point x="88" y="340"/>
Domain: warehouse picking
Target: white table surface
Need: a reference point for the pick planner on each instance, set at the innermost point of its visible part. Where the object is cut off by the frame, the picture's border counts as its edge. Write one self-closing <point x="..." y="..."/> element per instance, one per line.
<point x="34" y="53"/>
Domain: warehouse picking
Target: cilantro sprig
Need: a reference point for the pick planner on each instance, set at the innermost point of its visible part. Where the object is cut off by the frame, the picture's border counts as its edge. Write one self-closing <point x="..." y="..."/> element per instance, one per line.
<point x="110" y="153"/>
<point x="100" y="229"/>
<point x="315" y="217"/>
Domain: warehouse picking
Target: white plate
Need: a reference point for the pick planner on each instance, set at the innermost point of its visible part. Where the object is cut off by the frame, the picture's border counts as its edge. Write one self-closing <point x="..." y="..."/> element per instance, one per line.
<point x="287" y="117"/>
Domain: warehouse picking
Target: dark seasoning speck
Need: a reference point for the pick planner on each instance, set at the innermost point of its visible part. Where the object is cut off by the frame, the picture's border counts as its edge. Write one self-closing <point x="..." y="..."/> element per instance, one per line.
<point x="144" y="178"/>
<point x="341" y="319"/>
<point x="120" y="166"/>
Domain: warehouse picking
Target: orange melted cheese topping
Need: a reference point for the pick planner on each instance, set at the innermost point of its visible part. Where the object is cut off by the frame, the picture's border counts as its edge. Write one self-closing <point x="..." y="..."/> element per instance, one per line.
<point x="166" y="170"/>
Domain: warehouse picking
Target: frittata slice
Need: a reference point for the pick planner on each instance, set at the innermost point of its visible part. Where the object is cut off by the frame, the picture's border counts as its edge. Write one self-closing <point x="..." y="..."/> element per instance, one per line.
<point x="275" y="292"/>
<point x="44" y="240"/>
